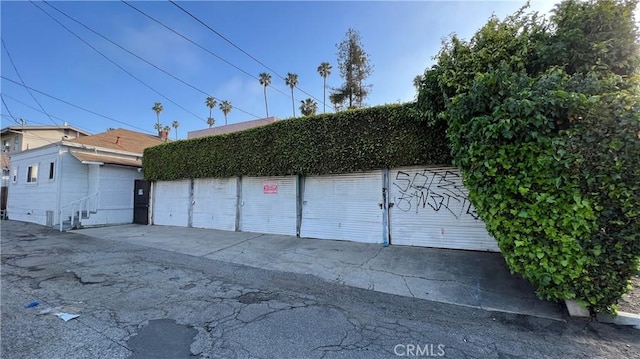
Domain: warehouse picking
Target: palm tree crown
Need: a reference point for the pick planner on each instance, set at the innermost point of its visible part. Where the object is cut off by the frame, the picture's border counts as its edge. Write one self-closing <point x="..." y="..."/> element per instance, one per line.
<point x="175" y="125"/>
<point x="324" y="70"/>
<point x="225" y="107"/>
<point x="292" y="81"/>
<point x="211" y="103"/>
<point x="308" y="107"/>
<point x="265" y="80"/>
<point x="157" y="107"/>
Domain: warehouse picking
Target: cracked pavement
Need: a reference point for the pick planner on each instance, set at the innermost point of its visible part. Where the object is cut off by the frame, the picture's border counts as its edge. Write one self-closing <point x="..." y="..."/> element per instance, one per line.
<point x="122" y="290"/>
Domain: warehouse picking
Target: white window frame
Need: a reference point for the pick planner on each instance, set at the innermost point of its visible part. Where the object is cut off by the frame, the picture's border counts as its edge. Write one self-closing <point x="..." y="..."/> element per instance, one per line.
<point x="31" y="179"/>
<point x="14" y="174"/>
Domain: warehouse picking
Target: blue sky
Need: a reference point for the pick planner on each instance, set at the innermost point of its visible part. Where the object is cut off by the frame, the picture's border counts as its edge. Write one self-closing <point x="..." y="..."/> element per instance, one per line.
<point x="400" y="37"/>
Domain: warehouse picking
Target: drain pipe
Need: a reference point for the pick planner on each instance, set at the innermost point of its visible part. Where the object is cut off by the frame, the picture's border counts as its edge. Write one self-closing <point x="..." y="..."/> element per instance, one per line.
<point x="59" y="185"/>
<point x="385" y="207"/>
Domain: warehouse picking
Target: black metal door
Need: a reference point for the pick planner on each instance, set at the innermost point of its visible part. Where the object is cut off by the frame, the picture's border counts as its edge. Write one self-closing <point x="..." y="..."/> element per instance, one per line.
<point x="141" y="202"/>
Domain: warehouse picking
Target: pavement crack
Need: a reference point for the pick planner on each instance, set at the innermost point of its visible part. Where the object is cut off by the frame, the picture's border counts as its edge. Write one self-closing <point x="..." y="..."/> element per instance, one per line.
<point x="408" y="288"/>
<point x="233" y="245"/>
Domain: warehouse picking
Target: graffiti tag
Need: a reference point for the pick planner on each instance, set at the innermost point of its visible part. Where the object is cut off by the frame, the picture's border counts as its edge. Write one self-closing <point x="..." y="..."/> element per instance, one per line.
<point x="440" y="190"/>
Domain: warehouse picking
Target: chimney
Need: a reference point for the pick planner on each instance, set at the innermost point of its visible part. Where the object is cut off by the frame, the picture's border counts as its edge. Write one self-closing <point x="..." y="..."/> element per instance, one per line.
<point x="117" y="140"/>
<point x="163" y="135"/>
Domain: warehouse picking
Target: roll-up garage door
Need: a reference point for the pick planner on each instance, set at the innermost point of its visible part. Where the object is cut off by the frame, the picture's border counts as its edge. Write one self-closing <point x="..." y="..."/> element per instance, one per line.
<point x="343" y="206"/>
<point x="431" y="208"/>
<point x="171" y="203"/>
<point x="268" y="205"/>
<point x="215" y="203"/>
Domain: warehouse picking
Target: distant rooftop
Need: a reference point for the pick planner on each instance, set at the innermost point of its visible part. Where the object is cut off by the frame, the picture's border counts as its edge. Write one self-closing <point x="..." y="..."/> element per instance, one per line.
<point x="232" y="128"/>
<point x="19" y="128"/>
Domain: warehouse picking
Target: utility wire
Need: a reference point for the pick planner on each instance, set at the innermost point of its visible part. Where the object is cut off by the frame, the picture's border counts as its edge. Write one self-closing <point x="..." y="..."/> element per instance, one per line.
<point x="113" y="62"/>
<point x="7" y="107"/>
<point x="141" y="58"/>
<point x="72" y="105"/>
<point x="238" y="47"/>
<point x="22" y="81"/>
<point x="33" y="108"/>
<point x="32" y="134"/>
<point x="198" y="45"/>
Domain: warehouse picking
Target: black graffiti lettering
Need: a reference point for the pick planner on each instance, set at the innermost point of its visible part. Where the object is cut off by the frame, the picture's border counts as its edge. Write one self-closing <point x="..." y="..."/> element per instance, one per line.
<point x="402" y="178"/>
<point x="436" y="189"/>
<point x="404" y="202"/>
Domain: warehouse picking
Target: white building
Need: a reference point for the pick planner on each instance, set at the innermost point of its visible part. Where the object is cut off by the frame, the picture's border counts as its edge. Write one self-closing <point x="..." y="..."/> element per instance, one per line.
<point x="85" y="181"/>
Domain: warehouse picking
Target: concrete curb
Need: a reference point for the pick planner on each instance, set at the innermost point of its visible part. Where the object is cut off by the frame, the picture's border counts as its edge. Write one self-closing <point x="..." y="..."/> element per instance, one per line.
<point x="622" y="318"/>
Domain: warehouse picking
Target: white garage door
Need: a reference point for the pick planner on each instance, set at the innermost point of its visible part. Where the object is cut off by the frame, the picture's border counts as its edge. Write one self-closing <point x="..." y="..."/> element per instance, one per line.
<point x="215" y="203"/>
<point x="431" y="209"/>
<point x="268" y="205"/>
<point x="344" y="206"/>
<point x="171" y="203"/>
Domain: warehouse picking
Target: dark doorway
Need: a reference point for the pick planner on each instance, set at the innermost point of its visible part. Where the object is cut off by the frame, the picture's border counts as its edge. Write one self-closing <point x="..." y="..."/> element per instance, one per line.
<point x="141" y="202"/>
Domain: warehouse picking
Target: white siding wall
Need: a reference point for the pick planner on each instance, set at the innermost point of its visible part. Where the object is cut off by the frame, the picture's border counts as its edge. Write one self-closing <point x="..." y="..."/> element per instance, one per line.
<point x="268" y="212"/>
<point x="431" y="209"/>
<point x="171" y="203"/>
<point x="75" y="179"/>
<point x="115" y="184"/>
<point x="215" y="203"/>
<point x="343" y="206"/>
<point x="30" y="202"/>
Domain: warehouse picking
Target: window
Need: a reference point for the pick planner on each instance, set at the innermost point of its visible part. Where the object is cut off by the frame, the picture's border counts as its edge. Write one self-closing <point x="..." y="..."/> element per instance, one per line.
<point x="16" y="142"/>
<point x="32" y="174"/>
<point x="14" y="175"/>
<point x="52" y="170"/>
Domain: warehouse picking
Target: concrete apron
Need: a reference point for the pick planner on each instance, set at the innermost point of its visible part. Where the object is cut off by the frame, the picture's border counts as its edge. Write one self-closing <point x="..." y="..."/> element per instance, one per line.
<point x="467" y="278"/>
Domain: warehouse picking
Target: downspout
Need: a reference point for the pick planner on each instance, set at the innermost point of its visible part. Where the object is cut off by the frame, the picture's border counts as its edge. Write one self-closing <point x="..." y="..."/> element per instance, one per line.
<point x="299" y="202"/>
<point x="239" y="202"/>
<point x="59" y="186"/>
<point x="385" y="207"/>
<point x="152" y="196"/>
<point x="192" y="202"/>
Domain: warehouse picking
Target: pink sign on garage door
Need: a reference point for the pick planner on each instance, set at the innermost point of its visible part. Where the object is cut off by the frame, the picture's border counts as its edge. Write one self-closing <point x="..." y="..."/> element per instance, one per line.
<point x="270" y="188"/>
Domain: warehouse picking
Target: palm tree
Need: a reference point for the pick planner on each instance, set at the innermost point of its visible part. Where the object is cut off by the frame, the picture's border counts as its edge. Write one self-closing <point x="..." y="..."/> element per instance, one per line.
<point x="417" y="82"/>
<point x="308" y="107"/>
<point x="292" y="81"/>
<point x="211" y="122"/>
<point x="175" y="125"/>
<point x="324" y="70"/>
<point x="211" y="103"/>
<point x="265" y="80"/>
<point x="225" y="107"/>
<point x="158" y="126"/>
<point x="157" y="107"/>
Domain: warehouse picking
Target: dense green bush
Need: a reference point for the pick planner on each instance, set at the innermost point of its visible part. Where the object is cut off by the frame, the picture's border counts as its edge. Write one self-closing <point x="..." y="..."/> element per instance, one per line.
<point x="544" y="122"/>
<point x="355" y="140"/>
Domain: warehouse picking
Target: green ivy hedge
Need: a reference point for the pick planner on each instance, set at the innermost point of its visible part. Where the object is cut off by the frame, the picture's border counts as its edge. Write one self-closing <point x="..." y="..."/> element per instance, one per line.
<point x="544" y="121"/>
<point x="356" y="140"/>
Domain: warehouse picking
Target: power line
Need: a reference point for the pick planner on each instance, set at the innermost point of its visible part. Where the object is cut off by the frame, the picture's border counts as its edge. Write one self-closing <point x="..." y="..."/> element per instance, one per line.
<point x="198" y="45"/>
<point x="72" y="105"/>
<point x="9" y="111"/>
<point x="22" y="81"/>
<point x="113" y="62"/>
<point x="139" y="57"/>
<point x="238" y="47"/>
<point x="29" y="106"/>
